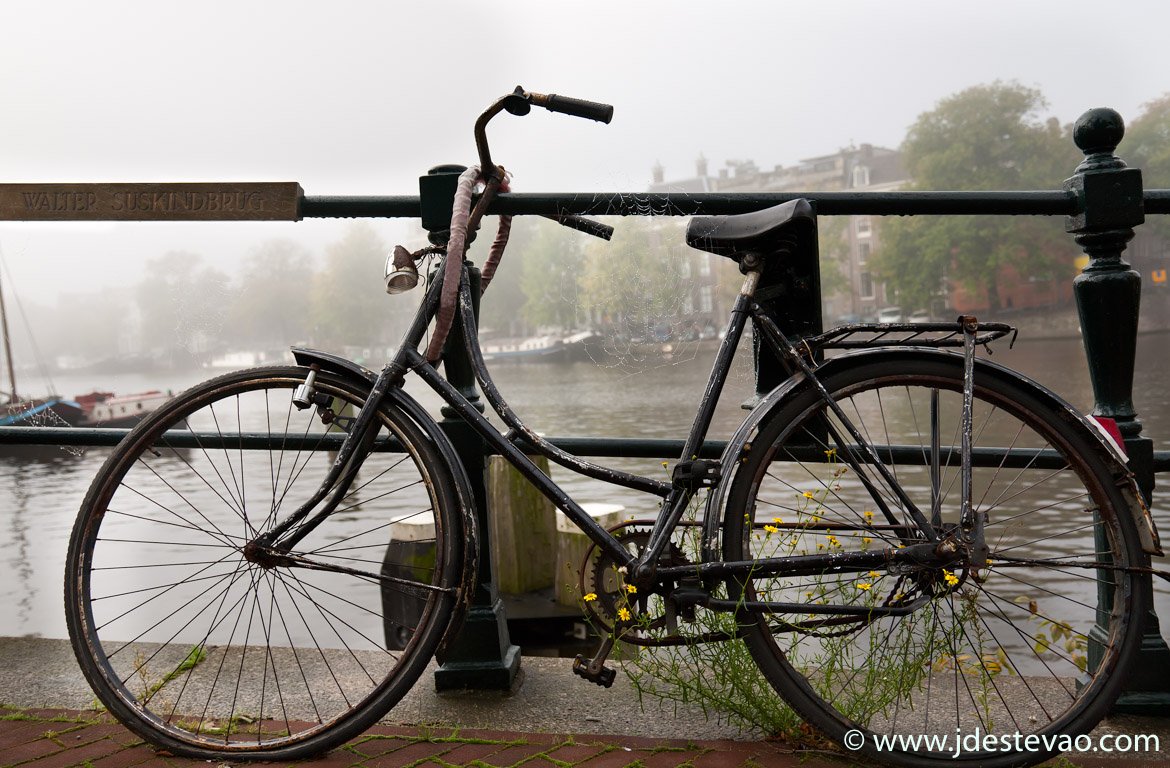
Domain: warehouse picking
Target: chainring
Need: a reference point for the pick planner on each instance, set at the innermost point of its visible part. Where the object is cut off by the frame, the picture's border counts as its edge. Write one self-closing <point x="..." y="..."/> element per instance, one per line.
<point x="604" y="586"/>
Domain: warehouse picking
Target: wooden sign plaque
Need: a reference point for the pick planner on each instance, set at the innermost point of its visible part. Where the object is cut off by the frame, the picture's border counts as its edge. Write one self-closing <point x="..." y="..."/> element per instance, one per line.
<point x="246" y="201"/>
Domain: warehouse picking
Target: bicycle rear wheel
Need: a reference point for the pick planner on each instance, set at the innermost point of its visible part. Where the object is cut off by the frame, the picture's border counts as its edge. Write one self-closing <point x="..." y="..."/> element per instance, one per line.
<point x="1020" y="647"/>
<point x="207" y="652"/>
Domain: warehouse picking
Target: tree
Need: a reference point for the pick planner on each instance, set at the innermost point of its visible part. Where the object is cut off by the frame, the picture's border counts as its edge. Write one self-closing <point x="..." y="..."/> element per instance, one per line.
<point x="635" y="282"/>
<point x="501" y="308"/>
<point x="536" y="283"/>
<point x="349" y="304"/>
<point x="1147" y="146"/>
<point x="988" y="137"/>
<point x="833" y="237"/>
<point x="272" y="307"/>
<point x="550" y="269"/>
<point x="182" y="306"/>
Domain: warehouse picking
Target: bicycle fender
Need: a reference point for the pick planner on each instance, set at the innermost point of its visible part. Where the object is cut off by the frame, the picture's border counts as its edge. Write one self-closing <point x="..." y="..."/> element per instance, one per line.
<point x="327" y="361"/>
<point x="426" y="424"/>
<point x="1107" y="450"/>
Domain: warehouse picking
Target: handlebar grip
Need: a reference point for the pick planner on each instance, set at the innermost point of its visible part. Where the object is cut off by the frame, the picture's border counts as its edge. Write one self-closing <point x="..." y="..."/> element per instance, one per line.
<point x="581" y="224"/>
<point x="579" y="108"/>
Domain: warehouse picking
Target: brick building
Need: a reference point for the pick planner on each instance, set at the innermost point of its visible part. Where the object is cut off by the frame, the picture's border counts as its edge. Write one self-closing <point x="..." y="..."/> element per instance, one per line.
<point x="851" y="292"/>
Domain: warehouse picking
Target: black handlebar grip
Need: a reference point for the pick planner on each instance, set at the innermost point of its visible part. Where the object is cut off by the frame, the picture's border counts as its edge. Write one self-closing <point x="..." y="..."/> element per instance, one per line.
<point x="581" y="224"/>
<point x="579" y="108"/>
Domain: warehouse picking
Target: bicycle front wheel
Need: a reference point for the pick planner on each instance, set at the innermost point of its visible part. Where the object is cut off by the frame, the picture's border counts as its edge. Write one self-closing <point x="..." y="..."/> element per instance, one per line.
<point x="210" y="651"/>
<point x="902" y="663"/>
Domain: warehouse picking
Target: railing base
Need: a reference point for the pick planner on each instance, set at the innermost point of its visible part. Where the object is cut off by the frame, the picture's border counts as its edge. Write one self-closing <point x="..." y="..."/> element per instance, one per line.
<point x="1147" y="692"/>
<point x="484" y="657"/>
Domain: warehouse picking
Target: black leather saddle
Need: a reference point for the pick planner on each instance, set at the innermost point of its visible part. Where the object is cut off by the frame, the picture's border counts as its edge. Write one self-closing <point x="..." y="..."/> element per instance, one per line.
<point x="789" y="228"/>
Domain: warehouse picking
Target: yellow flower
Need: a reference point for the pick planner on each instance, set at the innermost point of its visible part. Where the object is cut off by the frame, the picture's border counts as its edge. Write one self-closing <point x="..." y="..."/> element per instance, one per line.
<point x="777" y="520"/>
<point x="874" y="575"/>
<point x="830" y="453"/>
<point x="864" y="585"/>
<point x="623" y="614"/>
<point x="589" y="598"/>
<point x="833" y="542"/>
<point x="868" y="515"/>
<point x="771" y="529"/>
<point x="950" y="578"/>
<point x="631" y="589"/>
<point x="867" y="540"/>
<point x="809" y="495"/>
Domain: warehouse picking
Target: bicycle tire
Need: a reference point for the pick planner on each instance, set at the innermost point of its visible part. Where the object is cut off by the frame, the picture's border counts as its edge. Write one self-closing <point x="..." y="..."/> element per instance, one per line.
<point x="205" y="653"/>
<point x="1024" y="651"/>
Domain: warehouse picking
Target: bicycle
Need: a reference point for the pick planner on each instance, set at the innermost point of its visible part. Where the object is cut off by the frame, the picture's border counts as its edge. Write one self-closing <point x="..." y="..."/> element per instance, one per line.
<point x="891" y="567"/>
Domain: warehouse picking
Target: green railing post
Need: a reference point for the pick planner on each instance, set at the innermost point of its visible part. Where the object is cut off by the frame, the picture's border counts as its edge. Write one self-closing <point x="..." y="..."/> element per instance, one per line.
<point x="1108" y="294"/>
<point x="482" y="656"/>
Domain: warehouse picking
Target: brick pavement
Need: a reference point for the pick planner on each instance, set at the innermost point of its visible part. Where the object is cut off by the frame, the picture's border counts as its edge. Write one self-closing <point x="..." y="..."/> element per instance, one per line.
<point x="54" y="738"/>
<point x="65" y="738"/>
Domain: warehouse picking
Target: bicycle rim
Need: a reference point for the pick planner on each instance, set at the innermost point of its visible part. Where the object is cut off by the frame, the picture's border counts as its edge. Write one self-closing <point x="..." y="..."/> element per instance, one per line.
<point x="206" y="653"/>
<point x="1019" y="647"/>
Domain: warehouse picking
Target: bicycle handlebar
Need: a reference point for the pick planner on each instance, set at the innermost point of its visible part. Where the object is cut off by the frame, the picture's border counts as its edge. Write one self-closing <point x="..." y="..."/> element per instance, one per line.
<point x="519" y="102"/>
<point x="567" y="105"/>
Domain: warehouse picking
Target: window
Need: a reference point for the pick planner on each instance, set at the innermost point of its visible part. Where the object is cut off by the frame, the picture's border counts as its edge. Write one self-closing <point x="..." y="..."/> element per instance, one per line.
<point x="860" y="176"/>
<point x="705" y="298"/>
<point x="863" y="225"/>
<point x="862" y="254"/>
<point x="705" y="265"/>
<point x="865" y="290"/>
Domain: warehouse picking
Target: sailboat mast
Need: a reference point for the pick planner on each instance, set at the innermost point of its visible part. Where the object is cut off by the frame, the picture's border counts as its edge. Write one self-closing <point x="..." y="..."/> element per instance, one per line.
<point x="7" y="348"/>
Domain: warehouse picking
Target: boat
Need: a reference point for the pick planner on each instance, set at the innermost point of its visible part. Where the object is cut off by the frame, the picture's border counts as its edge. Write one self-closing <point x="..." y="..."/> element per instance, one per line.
<point x="17" y="411"/>
<point x="40" y="412"/>
<point x="103" y="409"/>
<point x="545" y="348"/>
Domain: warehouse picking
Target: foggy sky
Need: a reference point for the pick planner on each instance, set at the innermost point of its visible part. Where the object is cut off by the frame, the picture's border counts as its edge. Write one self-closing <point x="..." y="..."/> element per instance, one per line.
<point x="363" y="97"/>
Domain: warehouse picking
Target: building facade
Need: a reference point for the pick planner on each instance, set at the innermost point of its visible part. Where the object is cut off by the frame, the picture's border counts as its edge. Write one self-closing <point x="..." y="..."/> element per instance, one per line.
<point x="850" y="290"/>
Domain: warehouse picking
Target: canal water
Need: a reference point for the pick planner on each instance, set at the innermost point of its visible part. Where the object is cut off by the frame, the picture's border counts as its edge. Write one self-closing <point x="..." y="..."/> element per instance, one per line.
<point x="651" y="396"/>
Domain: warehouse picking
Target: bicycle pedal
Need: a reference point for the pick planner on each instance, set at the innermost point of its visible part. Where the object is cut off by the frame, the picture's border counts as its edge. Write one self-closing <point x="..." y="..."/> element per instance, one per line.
<point x="603" y="676"/>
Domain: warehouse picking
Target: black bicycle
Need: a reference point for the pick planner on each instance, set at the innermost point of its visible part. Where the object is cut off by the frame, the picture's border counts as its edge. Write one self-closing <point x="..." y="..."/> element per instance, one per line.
<point x="911" y="540"/>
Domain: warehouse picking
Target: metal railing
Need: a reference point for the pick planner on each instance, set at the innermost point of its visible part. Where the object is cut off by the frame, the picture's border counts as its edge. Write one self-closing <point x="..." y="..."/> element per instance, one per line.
<point x="1103" y="202"/>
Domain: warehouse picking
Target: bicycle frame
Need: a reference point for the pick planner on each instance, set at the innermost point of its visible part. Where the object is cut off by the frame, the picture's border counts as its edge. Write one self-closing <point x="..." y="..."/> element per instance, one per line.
<point x="514" y="446"/>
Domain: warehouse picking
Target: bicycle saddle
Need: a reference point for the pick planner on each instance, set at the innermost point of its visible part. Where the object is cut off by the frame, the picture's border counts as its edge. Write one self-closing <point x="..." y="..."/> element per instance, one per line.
<point x="790" y="226"/>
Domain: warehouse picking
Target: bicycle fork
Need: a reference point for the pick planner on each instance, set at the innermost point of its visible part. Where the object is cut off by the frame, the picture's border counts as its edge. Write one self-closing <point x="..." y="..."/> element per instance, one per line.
<point x="271" y="547"/>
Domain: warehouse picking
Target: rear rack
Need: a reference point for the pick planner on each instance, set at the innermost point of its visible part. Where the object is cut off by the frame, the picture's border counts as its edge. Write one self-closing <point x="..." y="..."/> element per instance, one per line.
<point x="863" y="335"/>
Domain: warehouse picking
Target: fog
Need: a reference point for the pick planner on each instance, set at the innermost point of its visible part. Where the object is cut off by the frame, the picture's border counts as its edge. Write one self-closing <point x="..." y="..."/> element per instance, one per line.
<point x="361" y="98"/>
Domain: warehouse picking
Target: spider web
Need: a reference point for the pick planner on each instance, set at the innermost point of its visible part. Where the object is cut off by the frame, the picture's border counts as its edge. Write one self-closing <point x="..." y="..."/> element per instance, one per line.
<point x="652" y="300"/>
